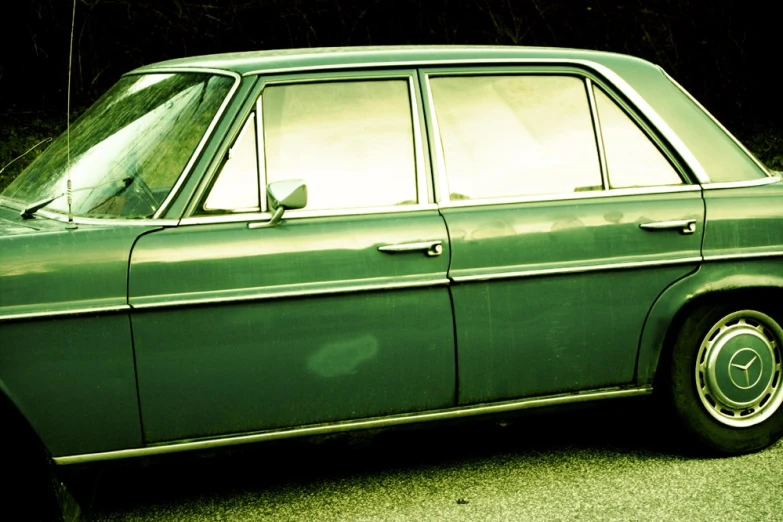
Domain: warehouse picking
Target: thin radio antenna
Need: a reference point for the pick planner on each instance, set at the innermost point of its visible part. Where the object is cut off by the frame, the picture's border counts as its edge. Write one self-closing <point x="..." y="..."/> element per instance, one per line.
<point x="69" y="188"/>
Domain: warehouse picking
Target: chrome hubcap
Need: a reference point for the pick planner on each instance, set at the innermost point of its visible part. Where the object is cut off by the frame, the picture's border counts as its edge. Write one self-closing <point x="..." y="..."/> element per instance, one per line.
<point x="738" y="369"/>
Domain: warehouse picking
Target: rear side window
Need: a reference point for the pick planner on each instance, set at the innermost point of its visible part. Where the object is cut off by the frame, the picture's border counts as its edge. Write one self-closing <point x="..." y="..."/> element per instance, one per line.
<point x="508" y="136"/>
<point x="632" y="159"/>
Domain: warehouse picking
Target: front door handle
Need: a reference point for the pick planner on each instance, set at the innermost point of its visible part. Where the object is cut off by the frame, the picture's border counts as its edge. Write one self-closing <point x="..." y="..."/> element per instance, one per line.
<point x="685" y="226"/>
<point x="430" y="248"/>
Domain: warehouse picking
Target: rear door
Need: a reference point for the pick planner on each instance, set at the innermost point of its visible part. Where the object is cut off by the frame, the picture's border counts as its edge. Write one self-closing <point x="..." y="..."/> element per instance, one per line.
<point x="339" y="312"/>
<point x="567" y="218"/>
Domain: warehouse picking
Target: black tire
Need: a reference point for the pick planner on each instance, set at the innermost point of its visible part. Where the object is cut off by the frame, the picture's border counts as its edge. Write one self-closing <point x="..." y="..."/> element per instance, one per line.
<point x="725" y="378"/>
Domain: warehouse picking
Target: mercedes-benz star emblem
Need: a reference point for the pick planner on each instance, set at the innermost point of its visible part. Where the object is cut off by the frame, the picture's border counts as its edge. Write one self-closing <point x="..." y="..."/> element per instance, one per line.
<point x="744" y="365"/>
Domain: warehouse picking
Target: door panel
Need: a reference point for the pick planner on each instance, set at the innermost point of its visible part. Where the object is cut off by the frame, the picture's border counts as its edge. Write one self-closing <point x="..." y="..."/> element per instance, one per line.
<point x="299" y="324"/>
<point x="544" y="181"/>
<point x="552" y="296"/>
<point x="253" y="327"/>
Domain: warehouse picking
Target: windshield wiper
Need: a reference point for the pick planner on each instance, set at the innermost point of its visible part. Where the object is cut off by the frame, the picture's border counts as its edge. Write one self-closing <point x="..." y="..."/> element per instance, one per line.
<point x="32" y="208"/>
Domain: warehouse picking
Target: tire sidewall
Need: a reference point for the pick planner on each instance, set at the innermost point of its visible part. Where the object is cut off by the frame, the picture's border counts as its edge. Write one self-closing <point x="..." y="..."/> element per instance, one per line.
<point x="700" y="425"/>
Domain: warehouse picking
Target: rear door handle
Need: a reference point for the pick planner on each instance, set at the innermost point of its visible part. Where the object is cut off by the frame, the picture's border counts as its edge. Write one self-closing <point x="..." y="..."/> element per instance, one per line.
<point x="685" y="226"/>
<point x="430" y="248"/>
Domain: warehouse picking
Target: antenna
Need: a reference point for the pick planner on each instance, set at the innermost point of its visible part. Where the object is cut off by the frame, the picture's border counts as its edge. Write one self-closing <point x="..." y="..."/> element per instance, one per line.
<point x="68" y="189"/>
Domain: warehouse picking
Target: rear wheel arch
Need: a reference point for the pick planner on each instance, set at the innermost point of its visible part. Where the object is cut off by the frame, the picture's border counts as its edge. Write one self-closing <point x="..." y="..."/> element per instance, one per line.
<point x="710" y="284"/>
<point x="764" y="296"/>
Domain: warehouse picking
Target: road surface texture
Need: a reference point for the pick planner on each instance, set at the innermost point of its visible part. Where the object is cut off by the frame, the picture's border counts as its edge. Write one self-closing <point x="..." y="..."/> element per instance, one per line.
<point x="613" y="461"/>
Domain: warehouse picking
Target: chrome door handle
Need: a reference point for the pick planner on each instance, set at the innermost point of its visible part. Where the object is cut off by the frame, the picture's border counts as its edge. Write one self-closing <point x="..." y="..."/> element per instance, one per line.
<point x="430" y="248"/>
<point x="685" y="226"/>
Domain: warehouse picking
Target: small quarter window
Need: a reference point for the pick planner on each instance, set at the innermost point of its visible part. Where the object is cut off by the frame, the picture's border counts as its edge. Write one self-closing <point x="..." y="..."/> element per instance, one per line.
<point x="509" y="136"/>
<point x="632" y="159"/>
<point x="236" y="188"/>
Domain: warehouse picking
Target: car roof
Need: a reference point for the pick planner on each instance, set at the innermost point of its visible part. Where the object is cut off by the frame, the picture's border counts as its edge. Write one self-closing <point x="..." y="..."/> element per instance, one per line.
<point x="338" y="57"/>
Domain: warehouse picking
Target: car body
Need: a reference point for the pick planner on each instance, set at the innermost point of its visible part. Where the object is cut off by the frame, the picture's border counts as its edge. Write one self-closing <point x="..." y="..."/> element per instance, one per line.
<point x="283" y="243"/>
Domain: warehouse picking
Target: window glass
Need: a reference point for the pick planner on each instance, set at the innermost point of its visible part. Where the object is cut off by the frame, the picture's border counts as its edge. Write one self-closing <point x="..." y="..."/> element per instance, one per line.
<point x="126" y="152"/>
<point x="236" y="188"/>
<point x="350" y="141"/>
<point x="506" y="136"/>
<point x="632" y="159"/>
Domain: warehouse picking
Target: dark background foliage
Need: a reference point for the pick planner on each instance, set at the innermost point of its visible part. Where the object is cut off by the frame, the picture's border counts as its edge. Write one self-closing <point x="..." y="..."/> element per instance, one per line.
<point x="724" y="52"/>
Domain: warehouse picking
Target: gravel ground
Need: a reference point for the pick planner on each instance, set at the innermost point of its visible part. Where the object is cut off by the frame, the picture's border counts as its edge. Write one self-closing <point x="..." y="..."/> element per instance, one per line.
<point x="609" y="462"/>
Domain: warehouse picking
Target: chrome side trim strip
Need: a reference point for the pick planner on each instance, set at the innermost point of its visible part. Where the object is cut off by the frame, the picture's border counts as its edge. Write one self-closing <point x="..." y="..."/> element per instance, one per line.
<point x="205" y="138"/>
<point x="757" y="255"/>
<point x="142" y="303"/>
<point x="716" y="122"/>
<point x="740" y="184"/>
<point x="383" y="422"/>
<point x="574" y="269"/>
<point x="62" y="313"/>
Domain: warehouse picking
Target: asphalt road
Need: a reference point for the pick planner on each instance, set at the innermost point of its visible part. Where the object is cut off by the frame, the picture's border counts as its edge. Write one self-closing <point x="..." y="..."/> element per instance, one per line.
<point x="609" y="462"/>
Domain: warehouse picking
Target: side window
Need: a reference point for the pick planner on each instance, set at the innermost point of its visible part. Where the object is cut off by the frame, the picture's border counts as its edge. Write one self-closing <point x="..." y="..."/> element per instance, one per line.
<point x="506" y="136"/>
<point x="350" y="141"/>
<point x="632" y="159"/>
<point x="236" y="187"/>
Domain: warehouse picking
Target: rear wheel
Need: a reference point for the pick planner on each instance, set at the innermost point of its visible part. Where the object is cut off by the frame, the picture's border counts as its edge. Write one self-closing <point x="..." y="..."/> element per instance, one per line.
<point x="726" y="374"/>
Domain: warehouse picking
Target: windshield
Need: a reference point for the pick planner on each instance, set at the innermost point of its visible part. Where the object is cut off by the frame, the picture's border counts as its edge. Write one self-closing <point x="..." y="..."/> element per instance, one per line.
<point x="128" y="150"/>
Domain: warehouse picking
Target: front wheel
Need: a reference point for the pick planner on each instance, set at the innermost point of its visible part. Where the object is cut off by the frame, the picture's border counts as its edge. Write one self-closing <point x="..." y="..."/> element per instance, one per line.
<point x="31" y="488"/>
<point x="726" y="374"/>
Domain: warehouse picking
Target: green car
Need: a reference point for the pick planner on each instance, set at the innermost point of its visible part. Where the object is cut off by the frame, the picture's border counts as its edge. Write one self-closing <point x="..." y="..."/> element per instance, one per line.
<point x="235" y="248"/>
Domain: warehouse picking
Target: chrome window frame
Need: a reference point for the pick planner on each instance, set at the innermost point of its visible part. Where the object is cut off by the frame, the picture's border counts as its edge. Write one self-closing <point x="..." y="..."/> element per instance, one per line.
<point x="665" y="150"/>
<point x="773" y="178"/>
<point x="599" y="135"/>
<point x="603" y="71"/>
<point x="207" y="135"/>
<point x="421" y="171"/>
<point x="214" y="178"/>
<point x="436" y="145"/>
<point x="596" y="194"/>
<point x="444" y="198"/>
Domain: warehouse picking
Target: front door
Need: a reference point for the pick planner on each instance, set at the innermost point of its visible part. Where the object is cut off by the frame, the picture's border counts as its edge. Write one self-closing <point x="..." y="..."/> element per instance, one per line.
<point x="339" y="312"/>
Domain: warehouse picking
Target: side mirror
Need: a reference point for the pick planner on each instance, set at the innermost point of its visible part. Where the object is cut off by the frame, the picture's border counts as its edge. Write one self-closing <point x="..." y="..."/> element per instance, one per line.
<point x="290" y="194"/>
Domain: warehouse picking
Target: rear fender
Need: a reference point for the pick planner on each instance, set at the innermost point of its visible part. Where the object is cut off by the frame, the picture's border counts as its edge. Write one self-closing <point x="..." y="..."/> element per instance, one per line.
<point x="712" y="281"/>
